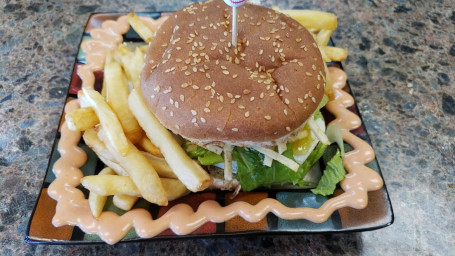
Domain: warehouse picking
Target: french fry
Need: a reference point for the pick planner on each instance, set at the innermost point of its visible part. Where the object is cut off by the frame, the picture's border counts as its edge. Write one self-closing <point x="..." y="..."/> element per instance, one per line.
<point x="132" y="63"/>
<point x="145" y="144"/>
<point x="108" y="185"/>
<point x="81" y="119"/>
<point x="144" y="48"/>
<point x="96" y="144"/>
<point x="91" y="139"/>
<point x="313" y="20"/>
<point x="324" y="56"/>
<point x="124" y="202"/>
<point x="174" y="188"/>
<point x="334" y="53"/>
<point x="141" y="29"/>
<point x="189" y="172"/>
<point x="161" y="166"/>
<point x="140" y="170"/>
<point x="117" y="98"/>
<point x="323" y="37"/>
<point x="108" y="120"/>
<point x="95" y="201"/>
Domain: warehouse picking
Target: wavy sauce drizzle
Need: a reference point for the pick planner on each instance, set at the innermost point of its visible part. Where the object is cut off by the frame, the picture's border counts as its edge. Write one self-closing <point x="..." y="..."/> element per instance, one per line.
<point x="73" y="209"/>
<point x="104" y="39"/>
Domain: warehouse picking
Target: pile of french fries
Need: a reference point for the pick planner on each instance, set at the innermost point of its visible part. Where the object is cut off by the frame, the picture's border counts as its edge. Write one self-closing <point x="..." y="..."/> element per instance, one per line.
<point x="136" y="149"/>
<point x="142" y="157"/>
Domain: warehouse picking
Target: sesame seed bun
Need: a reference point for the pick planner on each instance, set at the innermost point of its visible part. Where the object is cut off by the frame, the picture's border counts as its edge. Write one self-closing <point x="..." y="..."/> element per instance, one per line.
<point x="258" y="93"/>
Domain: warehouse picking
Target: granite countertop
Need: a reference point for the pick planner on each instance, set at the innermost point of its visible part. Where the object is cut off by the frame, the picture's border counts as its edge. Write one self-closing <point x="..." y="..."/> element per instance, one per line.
<point x="402" y="73"/>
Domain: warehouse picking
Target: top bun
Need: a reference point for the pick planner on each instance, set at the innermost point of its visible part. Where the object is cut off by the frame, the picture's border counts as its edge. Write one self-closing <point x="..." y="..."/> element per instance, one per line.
<point x="205" y="89"/>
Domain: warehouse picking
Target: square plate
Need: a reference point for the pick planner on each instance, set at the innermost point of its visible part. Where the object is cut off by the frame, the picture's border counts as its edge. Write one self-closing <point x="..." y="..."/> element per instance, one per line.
<point x="377" y="214"/>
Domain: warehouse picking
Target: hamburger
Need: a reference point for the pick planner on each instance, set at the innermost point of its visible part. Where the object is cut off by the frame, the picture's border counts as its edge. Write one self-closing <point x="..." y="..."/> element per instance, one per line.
<point x="255" y="103"/>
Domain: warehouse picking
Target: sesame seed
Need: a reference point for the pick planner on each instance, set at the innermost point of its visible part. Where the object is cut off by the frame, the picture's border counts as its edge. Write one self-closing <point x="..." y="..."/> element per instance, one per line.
<point x="313" y="99"/>
<point x="308" y="74"/>
<point x="313" y="67"/>
<point x="163" y="107"/>
<point x="288" y="128"/>
<point x="206" y="110"/>
<point x="171" y="113"/>
<point x="247" y="114"/>
<point x="203" y="120"/>
<point x="286" y="101"/>
<point x="246" y="91"/>
<point x="176" y="104"/>
<point x="187" y="73"/>
<point x="267" y="117"/>
<point x="241" y="107"/>
<point x="234" y="76"/>
<point x="285" y="112"/>
<point x="193" y="112"/>
<point x="195" y="87"/>
<point x="235" y="129"/>
<point x="225" y="72"/>
<point x="182" y="97"/>
<point x="300" y="100"/>
<point x="219" y="129"/>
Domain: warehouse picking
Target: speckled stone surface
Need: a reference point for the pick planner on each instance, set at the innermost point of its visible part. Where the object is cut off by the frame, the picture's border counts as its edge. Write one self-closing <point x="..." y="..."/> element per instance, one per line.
<point x="402" y="72"/>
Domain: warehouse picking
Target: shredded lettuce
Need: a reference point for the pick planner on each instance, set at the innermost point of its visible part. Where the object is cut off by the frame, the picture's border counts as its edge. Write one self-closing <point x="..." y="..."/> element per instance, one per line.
<point x="252" y="174"/>
<point x="204" y="156"/>
<point x="323" y="102"/>
<point x="332" y="175"/>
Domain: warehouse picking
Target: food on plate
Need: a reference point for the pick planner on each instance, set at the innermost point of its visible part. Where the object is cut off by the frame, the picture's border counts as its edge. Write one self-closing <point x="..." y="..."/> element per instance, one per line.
<point x="190" y="111"/>
<point x="116" y="89"/>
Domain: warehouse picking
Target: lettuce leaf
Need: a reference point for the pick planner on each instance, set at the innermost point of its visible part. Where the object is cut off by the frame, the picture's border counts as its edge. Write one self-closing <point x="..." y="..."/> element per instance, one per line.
<point x="204" y="156"/>
<point x="332" y="175"/>
<point x="252" y="174"/>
